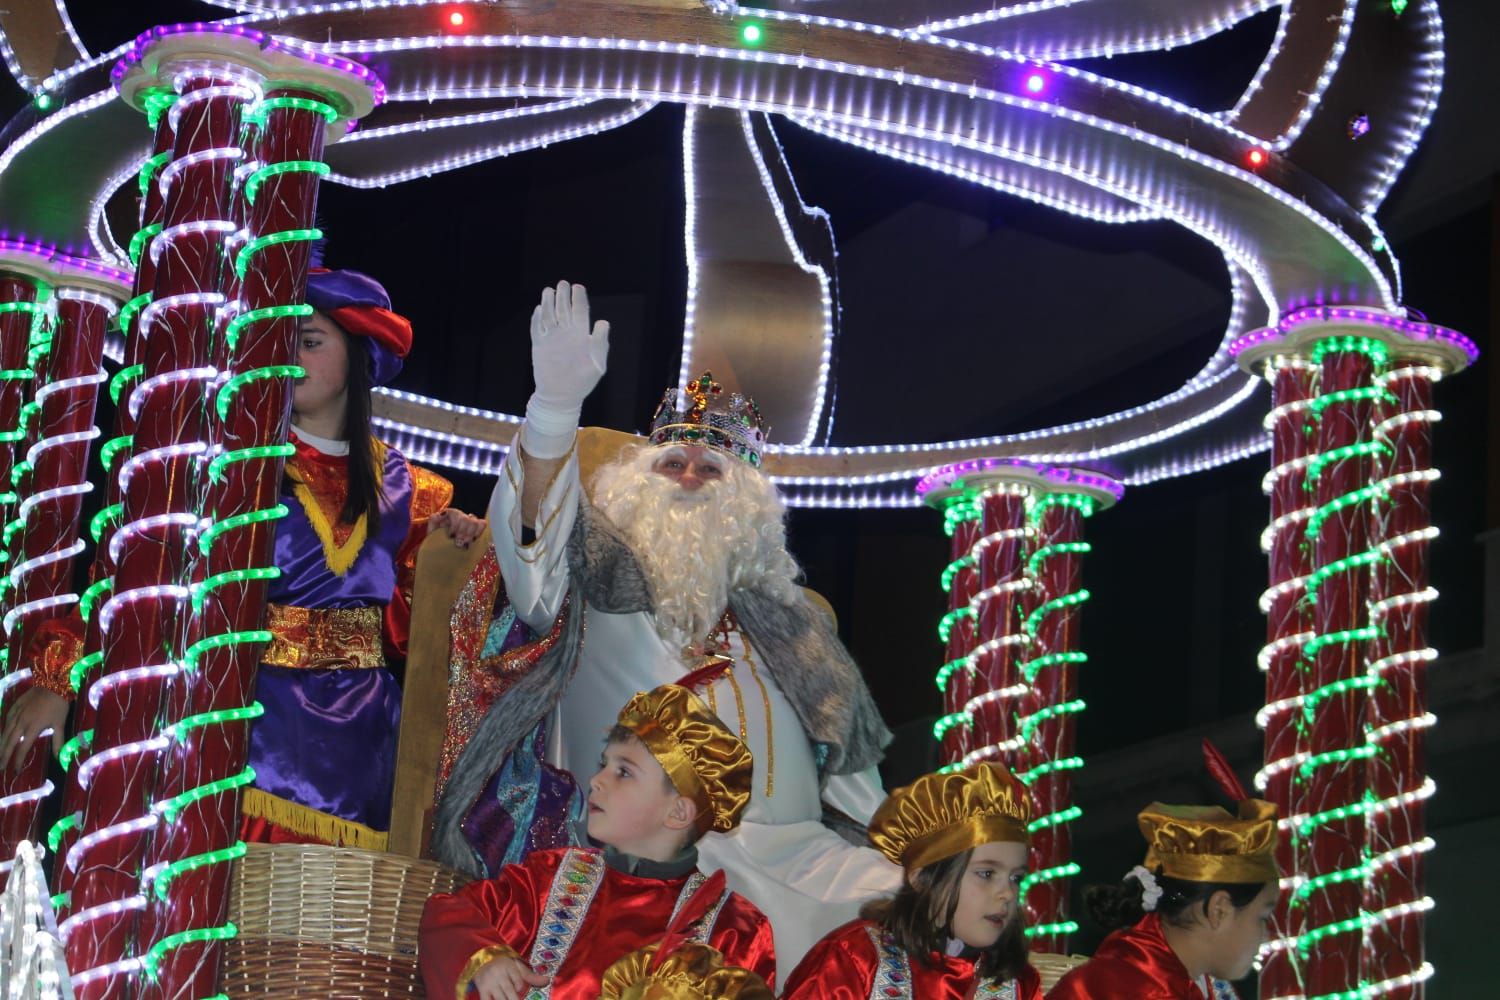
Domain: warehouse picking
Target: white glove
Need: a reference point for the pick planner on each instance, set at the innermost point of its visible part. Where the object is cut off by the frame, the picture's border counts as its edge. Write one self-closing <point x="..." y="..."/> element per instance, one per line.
<point x="567" y="361"/>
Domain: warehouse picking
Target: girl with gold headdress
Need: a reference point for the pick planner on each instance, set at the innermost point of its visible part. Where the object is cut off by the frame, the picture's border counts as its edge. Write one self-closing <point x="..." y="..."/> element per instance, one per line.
<point x="1192" y="916"/>
<point x="954" y="930"/>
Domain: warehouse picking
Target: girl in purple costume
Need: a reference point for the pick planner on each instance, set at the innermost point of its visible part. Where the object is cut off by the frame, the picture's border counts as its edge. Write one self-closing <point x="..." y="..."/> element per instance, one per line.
<point x="324" y="751"/>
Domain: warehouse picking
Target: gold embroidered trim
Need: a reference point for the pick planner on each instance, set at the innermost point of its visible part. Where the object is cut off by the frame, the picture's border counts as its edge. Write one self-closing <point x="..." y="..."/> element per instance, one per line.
<point x="324" y="638"/>
<point x="522" y="550"/>
<point x="765" y="697"/>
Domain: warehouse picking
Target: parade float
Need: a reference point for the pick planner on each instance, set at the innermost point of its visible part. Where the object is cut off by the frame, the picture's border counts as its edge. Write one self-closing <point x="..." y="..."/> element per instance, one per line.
<point x="212" y="138"/>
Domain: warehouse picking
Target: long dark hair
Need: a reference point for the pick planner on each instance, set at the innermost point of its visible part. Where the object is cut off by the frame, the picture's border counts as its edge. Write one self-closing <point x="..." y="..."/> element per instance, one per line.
<point x="1121" y="905"/>
<point x="919" y="915"/>
<point x="365" y="490"/>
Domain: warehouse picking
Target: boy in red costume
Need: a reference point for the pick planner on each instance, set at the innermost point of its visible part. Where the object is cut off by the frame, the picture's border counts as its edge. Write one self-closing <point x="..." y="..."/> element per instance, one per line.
<point x="552" y="925"/>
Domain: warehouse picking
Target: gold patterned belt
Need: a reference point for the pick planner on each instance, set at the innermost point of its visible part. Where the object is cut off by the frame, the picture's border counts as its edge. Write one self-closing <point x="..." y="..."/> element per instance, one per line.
<point x="324" y="638"/>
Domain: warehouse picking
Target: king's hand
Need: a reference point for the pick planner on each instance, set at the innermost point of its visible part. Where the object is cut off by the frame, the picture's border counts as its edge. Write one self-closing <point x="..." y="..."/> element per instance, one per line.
<point x="568" y="358"/>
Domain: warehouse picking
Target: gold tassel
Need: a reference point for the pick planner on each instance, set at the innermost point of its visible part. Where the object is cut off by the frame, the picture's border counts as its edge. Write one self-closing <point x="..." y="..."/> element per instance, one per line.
<point x="306" y="821"/>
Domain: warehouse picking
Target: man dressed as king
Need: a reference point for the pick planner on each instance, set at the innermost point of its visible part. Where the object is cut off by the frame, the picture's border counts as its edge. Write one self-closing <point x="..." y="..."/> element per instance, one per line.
<point x="676" y="571"/>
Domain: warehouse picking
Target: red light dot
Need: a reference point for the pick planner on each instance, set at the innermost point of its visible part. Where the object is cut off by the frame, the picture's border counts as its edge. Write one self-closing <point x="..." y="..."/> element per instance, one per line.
<point x="456" y="19"/>
<point x="1256" y="157"/>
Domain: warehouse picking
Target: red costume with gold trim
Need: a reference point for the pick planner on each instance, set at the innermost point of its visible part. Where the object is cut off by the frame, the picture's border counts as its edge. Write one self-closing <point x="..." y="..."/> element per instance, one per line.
<point x="848" y="965"/>
<point x="1133" y="962"/>
<point x="570" y="909"/>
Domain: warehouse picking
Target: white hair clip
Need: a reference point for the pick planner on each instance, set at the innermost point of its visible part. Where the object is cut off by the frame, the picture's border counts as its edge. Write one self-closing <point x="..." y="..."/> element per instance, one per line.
<point x="1150" y="888"/>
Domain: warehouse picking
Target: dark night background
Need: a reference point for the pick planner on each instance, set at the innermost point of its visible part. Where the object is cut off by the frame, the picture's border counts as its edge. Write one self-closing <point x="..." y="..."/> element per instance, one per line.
<point x="941" y="280"/>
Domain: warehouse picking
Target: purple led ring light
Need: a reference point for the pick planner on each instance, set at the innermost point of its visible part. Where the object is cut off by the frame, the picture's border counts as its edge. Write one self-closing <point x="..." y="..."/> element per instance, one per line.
<point x="1399" y="324"/>
<point x="51" y="255"/>
<point x="1059" y="475"/>
<point x="143" y="41"/>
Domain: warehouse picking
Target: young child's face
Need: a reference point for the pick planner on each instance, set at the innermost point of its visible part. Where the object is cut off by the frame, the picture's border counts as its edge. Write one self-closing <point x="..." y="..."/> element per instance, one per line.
<point x="630" y="799"/>
<point x="989" y="894"/>
<point x="1240" y="936"/>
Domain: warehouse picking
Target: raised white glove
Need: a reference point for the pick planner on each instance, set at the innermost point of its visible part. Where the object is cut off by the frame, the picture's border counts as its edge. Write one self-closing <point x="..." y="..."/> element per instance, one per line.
<point x="567" y="361"/>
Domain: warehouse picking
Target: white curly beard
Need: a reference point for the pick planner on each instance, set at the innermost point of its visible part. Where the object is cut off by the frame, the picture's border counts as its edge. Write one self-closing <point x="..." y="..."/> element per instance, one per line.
<point x="696" y="546"/>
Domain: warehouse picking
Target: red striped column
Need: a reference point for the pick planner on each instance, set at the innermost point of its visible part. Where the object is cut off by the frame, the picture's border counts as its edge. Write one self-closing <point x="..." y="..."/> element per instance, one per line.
<point x="1288" y="626"/>
<point x="1356" y="773"/>
<point x="204" y="769"/>
<point x="1049" y="727"/>
<point x="50" y="481"/>
<point x="1021" y="684"/>
<point x="140" y="622"/>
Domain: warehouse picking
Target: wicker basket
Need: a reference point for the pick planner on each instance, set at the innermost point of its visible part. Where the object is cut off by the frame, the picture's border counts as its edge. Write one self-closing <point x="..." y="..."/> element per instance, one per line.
<point x="328" y="922"/>
<point x="1052" y="967"/>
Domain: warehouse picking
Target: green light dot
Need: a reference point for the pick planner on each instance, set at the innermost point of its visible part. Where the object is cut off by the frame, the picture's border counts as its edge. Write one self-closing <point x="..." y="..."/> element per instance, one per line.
<point x="43" y="102"/>
<point x="124" y="375"/>
<point x="82" y="667"/>
<point x="59" y="829"/>
<point x="752" y="34"/>
<point x="217" y="466"/>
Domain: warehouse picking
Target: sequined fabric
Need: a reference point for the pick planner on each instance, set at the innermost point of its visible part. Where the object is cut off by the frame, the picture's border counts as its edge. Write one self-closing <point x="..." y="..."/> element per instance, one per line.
<point x="491" y="649"/>
<point x="323" y="638"/>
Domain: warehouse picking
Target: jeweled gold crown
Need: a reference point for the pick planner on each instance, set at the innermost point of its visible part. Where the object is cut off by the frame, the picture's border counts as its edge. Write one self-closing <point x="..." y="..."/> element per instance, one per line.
<point x="702" y="413"/>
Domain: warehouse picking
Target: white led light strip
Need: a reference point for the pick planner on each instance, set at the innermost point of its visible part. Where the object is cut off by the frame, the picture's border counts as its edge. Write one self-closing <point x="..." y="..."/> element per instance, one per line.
<point x="109" y="682"/>
<point x="98" y="225"/>
<point x="820" y="392"/>
<point x="16" y="613"/>
<point x="1393" y="165"/>
<point x="52" y="121"/>
<point x="496" y="151"/>
<point x="867" y="141"/>
<point x="803" y="63"/>
<point x="464" y="121"/>
<point x="113" y="907"/>
<point x="55" y="493"/>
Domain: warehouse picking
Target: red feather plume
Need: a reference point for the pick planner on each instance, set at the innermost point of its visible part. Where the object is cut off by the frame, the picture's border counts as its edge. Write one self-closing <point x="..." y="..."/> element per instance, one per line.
<point x="1222" y="772"/>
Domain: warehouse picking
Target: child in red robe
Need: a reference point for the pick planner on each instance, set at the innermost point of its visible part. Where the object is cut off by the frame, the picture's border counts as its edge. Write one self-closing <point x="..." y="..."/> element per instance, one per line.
<point x="552" y="925"/>
<point x="954" y="930"/>
<point x="1192" y="916"/>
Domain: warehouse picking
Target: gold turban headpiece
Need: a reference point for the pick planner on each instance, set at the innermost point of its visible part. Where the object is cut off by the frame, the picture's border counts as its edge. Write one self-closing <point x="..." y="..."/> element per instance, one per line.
<point x="940" y="815"/>
<point x="703" y="759"/>
<point x="1207" y="844"/>
<point x="691" y="972"/>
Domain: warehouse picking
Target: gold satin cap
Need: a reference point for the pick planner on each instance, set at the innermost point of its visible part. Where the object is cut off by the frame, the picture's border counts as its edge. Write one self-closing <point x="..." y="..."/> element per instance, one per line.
<point x="692" y="971"/>
<point x="1208" y="844"/>
<point x="703" y="759"/>
<point x="940" y="815"/>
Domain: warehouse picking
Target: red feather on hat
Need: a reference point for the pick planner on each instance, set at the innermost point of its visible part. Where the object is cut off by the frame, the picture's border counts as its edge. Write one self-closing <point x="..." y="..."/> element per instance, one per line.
<point x="1222" y="772"/>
